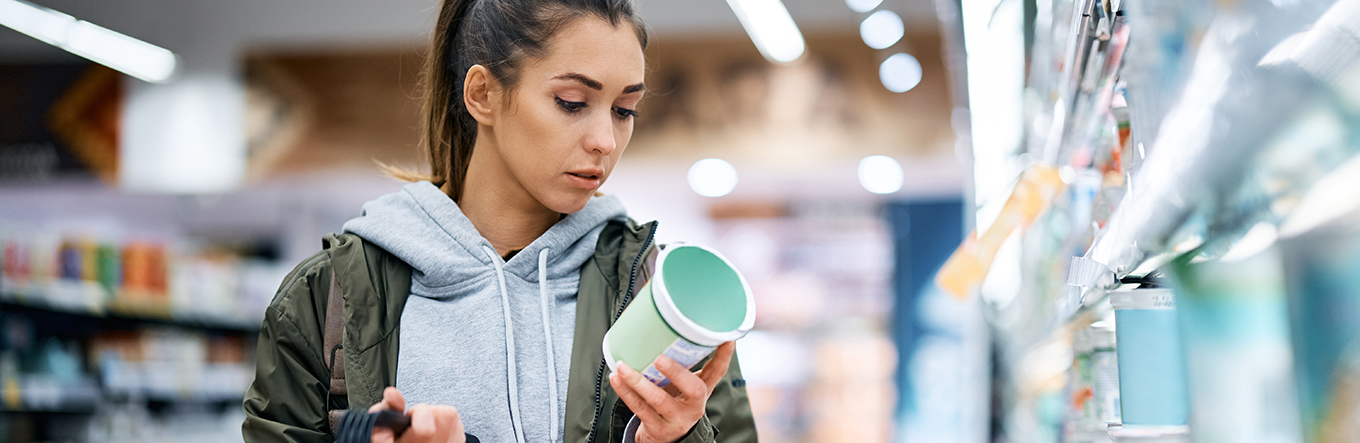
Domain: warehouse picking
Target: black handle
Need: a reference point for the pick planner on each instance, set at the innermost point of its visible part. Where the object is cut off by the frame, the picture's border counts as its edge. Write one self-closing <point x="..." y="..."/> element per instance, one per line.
<point x="357" y="426"/>
<point x="399" y="423"/>
<point x="396" y="421"/>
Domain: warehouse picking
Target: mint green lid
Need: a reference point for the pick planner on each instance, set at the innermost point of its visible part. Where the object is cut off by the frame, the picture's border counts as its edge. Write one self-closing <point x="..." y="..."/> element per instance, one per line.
<point x="702" y="296"/>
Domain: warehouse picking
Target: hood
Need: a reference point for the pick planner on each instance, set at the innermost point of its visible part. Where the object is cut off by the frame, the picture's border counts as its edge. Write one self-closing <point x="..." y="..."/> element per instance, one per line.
<point x="423" y="227"/>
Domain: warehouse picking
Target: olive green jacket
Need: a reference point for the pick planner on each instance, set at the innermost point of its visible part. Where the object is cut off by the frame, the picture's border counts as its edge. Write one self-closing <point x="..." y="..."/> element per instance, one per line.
<point x="286" y="401"/>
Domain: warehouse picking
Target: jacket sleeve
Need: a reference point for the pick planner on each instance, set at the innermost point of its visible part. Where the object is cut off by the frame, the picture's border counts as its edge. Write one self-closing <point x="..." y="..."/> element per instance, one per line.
<point x="285" y="403"/>
<point x="728" y="418"/>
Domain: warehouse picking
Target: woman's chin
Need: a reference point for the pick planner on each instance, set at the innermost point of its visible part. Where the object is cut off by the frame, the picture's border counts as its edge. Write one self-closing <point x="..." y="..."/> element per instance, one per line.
<point x="568" y="204"/>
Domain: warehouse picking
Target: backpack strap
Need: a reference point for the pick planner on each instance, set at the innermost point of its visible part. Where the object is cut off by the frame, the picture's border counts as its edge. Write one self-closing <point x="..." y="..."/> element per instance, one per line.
<point x="334" y="338"/>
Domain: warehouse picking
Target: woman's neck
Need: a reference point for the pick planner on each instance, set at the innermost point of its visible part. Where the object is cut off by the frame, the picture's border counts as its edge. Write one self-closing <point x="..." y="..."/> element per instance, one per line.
<point x="499" y="207"/>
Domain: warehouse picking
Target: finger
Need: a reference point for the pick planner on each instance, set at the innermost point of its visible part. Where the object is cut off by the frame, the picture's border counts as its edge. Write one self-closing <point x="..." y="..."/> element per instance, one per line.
<point x="396" y="399"/>
<point x="671" y="390"/>
<point x="383" y="435"/>
<point x="392" y="399"/>
<point x="654" y="396"/>
<point x="688" y="384"/>
<point x="446" y="417"/>
<point x="422" y="421"/>
<point x="635" y="403"/>
<point x="716" y="368"/>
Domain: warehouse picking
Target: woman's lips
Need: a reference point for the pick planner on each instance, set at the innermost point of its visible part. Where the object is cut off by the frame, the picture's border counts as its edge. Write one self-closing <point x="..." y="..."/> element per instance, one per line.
<point x="583" y="180"/>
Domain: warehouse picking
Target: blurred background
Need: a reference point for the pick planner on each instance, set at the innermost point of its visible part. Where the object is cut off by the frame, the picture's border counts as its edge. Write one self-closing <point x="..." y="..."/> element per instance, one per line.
<point x="963" y="220"/>
<point x="149" y="217"/>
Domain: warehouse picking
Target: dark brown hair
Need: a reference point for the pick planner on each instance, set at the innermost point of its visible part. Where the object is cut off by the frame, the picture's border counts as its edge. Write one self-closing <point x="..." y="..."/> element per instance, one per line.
<point x="500" y="35"/>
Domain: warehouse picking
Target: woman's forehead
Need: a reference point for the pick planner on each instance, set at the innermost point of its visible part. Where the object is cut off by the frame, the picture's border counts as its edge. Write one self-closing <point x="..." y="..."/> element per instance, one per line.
<point x="595" y="49"/>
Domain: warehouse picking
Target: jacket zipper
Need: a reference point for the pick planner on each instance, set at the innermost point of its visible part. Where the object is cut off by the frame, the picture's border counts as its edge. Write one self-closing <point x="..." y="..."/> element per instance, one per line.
<point x="627" y="297"/>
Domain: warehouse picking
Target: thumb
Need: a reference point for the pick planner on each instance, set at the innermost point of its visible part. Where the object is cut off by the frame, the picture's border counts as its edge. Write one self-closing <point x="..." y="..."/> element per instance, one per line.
<point x="392" y="399"/>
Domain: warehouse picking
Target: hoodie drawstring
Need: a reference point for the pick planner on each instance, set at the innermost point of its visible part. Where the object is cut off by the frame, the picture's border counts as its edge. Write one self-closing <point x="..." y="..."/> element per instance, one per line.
<point x="512" y="373"/>
<point x="548" y="338"/>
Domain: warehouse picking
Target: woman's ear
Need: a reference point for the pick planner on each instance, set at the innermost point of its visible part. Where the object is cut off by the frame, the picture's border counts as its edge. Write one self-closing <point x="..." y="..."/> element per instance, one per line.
<point x="479" y="95"/>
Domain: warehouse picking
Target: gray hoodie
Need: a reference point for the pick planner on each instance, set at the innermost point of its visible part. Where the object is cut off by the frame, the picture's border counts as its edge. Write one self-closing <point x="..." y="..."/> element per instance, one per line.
<point x="508" y="383"/>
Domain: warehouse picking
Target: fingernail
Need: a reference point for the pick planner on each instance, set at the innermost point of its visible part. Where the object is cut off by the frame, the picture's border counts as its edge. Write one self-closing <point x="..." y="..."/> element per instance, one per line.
<point x="662" y="362"/>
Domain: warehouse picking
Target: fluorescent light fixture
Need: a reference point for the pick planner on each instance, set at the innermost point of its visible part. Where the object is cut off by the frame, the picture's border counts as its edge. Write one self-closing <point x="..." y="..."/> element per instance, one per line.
<point x="882" y="29"/>
<point x="863" y="5"/>
<point x="771" y="28"/>
<point x="900" y="72"/>
<point x="712" y="177"/>
<point x="109" y="48"/>
<point x="38" y="22"/>
<point x="880" y="174"/>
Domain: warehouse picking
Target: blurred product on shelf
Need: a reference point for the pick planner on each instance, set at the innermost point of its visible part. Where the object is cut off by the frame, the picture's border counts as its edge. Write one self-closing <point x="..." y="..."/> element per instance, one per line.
<point x="41" y="376"/>
<point x="852" y="380"/>
<point x="1159" y="59"/>
<point x="1149" y="434"/>
<point x="132" y="423"/>
<point x="1223" y="127"/>
<point x="152" y="363"/>
<point x="1094" y="385"/>
<point x="1222" y="162"/>
<point x="110" y="337"/>
<point x="1082" y="423"/>
<point x="1105" y="371"/>
<point x="1322" y="279"/>
<point x="1152" y="387"/>
<point x="966" y="269"/>
<point x="175" y="279"/>
<point x="169" y="364"/>
<point x="819" y="365"/>
<point x="75" y="377"/>
<point x="1234" y="326"/>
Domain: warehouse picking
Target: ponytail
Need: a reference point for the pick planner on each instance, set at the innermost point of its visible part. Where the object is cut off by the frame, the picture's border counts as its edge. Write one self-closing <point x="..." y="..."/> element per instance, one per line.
<point x="447" y="131"/>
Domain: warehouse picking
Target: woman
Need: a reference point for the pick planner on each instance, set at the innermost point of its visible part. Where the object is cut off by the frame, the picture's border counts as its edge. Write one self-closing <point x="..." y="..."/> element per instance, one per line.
<point x="482" y="290"/>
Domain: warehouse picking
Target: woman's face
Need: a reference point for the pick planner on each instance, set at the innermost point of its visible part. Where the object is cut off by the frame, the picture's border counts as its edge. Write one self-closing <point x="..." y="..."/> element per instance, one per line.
<point x="568" y="120"/>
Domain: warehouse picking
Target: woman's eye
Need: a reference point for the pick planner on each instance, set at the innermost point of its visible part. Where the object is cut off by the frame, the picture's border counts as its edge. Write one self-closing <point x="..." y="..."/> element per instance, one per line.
<point x="624" y="113"/>
<point x="570" y="107"/>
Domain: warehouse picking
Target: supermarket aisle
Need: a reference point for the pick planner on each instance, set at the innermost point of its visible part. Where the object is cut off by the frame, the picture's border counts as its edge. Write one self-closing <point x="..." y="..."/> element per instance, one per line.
<point x="148" y="220"/>
<point x="961" y="221"/>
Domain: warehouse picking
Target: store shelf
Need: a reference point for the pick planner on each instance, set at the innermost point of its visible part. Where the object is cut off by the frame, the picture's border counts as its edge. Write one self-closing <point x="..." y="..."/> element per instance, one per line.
<point x="1191" y="155"/>
<point x="116" y="318"/>
<point x="29" y="395"/>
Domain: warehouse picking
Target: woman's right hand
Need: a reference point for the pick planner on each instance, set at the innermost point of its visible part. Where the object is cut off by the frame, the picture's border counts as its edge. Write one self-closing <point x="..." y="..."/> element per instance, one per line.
<point x="429" y="423"/>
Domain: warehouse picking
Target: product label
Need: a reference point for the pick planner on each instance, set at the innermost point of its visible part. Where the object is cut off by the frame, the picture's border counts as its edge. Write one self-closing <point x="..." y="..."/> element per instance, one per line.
<point x="1106" y="370"/>
<point x="1143" y="299"/>
<point x="1164" y="302"/>
<point x="683" y="352"/>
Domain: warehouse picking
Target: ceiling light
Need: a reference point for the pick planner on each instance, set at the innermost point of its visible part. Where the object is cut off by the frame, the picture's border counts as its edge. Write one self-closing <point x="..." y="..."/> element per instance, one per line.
<point x="880" y="174"/>
<point x="771" y="28"/>
<point x="900" y="72"/>
<point x="882" y="29"/>
<point x="863" y="5"/>
<point x="106" y="47"/>
<point x="712" y="177"/>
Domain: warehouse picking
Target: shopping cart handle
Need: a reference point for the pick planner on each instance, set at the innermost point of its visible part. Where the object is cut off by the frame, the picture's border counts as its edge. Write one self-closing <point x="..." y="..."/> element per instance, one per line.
<point x="396" y="421"/>
<point x="354" y="429"/>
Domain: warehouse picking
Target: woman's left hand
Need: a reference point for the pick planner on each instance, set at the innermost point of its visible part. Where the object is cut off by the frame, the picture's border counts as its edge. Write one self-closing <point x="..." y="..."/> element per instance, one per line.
<point x="667" y="414"/>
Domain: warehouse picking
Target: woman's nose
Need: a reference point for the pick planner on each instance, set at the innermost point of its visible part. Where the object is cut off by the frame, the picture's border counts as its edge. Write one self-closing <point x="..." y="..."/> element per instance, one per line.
<point x="600" y="137"/>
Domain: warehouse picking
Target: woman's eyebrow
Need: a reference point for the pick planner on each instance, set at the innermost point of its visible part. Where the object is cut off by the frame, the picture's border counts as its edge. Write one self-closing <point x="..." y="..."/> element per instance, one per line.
<point x="589" y="82"/>
<point x="595" y="84"/>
